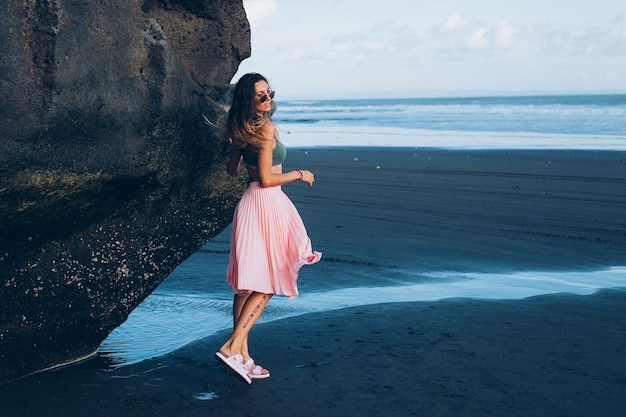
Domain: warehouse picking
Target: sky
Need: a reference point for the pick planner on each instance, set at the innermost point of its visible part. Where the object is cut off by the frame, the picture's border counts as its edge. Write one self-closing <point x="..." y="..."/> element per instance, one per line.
<point x="415" y="48"/>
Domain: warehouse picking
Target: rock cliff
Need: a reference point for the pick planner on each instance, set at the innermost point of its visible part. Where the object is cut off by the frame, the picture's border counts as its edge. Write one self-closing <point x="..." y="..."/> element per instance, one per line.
<point x="109" y="178"/>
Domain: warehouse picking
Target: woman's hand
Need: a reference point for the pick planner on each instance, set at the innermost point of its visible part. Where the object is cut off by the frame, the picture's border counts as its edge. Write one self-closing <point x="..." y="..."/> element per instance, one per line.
<point x="307" y="176"/>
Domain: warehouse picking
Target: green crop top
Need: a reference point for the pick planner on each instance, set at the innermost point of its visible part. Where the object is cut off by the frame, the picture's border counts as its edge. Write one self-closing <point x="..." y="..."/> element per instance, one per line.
<point x="279" y="153"/>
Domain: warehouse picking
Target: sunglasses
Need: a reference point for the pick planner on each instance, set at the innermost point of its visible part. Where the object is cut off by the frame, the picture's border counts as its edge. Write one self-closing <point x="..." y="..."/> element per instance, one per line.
<point x="266" y="97"/>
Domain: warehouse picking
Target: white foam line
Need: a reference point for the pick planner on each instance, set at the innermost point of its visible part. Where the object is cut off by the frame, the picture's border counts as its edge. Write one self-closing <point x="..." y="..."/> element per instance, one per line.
<point x="295" y="135"/>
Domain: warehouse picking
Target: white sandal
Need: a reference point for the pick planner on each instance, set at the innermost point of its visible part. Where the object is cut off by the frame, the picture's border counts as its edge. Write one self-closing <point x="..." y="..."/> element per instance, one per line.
<point x="255" y="371"/>
<point x="235" y="364"/>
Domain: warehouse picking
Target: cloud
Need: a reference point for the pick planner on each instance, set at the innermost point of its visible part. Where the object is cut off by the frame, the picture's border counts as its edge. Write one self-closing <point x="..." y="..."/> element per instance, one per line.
<point x="462" y="38"/>
<point x="259" y="12"/>
<point x="479" y="38"/>
<point x="458" y="35"/>
<point x="620" y="23"/>
<point x="455" y="38"/>
<point x="506" y="35"/>
<point x="585" y="42"/>
<point x="454" y="23"/>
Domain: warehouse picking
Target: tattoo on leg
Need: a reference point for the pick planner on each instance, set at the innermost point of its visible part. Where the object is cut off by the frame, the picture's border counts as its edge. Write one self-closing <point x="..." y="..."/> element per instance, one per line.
<point x="256" y="308"/>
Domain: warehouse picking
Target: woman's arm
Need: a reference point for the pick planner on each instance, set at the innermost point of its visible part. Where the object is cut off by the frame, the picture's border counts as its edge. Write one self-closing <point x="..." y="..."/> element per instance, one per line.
<point x="268" y="177"/>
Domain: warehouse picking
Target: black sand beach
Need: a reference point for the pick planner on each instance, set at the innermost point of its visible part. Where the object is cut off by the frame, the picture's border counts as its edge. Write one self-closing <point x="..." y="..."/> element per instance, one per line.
<point x="486" y="210"/>
<point x="493" y="211"/>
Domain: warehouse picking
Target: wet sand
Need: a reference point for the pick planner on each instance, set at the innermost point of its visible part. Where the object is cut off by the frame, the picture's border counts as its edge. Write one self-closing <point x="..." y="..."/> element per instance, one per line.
<point x="435" y="210"/>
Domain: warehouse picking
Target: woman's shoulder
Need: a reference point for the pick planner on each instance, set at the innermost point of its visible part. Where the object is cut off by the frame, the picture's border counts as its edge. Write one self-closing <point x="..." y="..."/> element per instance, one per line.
<point x="268" y="131"/>
<point x="268" y="127"/>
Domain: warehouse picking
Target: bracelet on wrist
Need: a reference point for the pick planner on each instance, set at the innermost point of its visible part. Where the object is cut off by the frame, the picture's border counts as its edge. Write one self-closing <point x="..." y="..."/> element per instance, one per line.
<point x="301" y="175"/>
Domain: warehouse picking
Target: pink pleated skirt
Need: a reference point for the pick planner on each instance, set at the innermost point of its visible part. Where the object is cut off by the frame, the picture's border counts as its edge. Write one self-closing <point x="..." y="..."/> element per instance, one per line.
<point x="269" y="243"/>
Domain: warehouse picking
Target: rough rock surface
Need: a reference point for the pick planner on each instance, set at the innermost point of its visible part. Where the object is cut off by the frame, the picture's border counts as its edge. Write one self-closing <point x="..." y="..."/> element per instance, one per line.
<point x="109" y="177"/>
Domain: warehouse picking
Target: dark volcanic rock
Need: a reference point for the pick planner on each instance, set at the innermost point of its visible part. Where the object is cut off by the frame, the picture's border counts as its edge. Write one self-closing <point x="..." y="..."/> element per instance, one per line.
<point x="109" y="178"/>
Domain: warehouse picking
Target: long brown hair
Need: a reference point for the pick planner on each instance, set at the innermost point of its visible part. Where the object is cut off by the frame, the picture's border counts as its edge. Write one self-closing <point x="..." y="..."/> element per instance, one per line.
<point x="243" y="125"/>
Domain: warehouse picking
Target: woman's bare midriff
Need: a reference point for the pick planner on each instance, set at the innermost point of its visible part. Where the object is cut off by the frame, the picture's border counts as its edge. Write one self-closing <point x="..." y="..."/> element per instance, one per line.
<point x="253" y="172"/>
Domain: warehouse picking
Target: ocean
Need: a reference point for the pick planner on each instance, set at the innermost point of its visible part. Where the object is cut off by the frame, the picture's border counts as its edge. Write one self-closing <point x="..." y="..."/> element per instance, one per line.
<point x="564" y="121"/>
<point x="597" y="115"/>
<point x="195" y="302"/>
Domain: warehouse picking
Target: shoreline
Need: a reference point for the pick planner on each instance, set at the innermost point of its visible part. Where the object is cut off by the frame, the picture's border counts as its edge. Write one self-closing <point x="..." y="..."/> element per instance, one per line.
<point x="327" y="135"/>
<point x="479" y="289"/>
<point x="547" y="355"/>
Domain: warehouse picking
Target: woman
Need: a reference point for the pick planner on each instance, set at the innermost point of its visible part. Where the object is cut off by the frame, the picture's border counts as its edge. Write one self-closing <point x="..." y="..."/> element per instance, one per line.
<point x="269" y="243"/>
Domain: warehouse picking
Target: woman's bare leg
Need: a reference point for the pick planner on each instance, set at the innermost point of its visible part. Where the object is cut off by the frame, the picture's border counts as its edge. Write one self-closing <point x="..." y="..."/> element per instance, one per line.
<point x="238" y="303"/>
<point x="251" y="309"/>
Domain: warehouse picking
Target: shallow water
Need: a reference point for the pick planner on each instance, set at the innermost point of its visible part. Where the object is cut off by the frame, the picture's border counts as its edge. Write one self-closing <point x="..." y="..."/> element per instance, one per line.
<point x="195" y="302"/>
